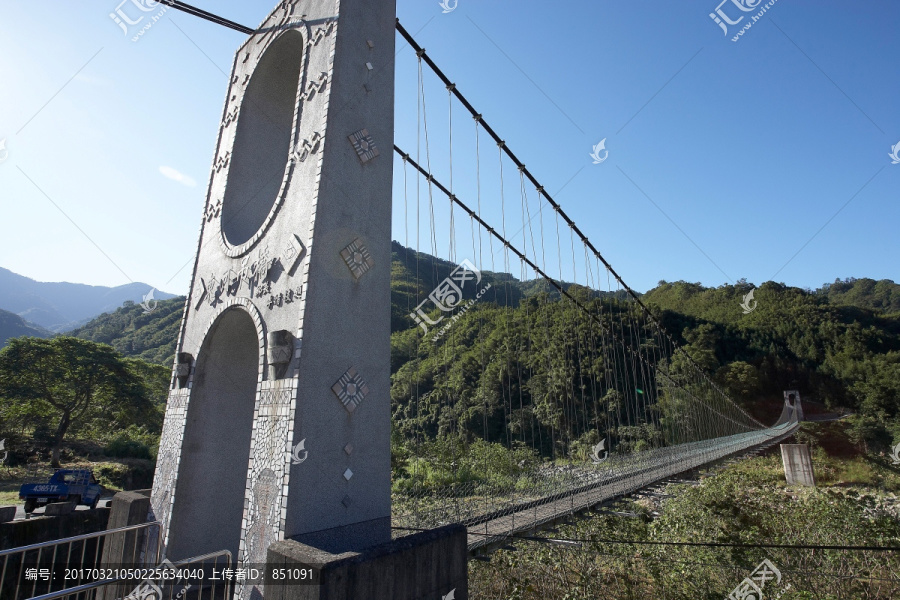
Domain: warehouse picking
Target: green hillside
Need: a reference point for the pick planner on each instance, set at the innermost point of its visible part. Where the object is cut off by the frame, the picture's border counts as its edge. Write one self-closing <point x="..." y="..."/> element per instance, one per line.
<point x="151" y="337"/>
<point x="835" y="347"/>
<point x="881" y="295"/>
<point x="415" y="274"/>
<point x="839" y="345"/>
<point x="12" y="325"/>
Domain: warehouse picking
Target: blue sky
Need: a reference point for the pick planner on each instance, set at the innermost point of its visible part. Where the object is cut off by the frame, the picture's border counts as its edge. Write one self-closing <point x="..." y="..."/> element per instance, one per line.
<point x="725" y="158"/>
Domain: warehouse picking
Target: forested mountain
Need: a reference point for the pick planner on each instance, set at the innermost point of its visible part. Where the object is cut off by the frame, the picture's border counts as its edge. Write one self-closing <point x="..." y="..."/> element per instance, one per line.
<point x="63" y="306"/>
<point x="413" y="277"/>
<point x="137" y="334"/>
<point x="839" y="345"/>
<point x="881" y="295"/>
<point x="523" y="361"/>
<point x="12" y="325"/>
<point x="834" y="347"/>
<point x="526" y="363"/>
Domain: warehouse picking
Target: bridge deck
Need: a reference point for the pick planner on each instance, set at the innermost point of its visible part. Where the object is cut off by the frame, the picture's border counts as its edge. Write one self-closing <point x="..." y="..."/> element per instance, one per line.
<point x="493" y="529"/>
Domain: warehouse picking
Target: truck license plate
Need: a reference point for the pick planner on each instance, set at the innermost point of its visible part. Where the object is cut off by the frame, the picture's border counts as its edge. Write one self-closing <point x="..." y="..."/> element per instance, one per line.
<point x="42" y="500"/>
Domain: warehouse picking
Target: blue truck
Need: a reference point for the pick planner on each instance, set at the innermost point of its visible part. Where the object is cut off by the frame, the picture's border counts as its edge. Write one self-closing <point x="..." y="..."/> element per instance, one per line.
<point x="66" y="485"/>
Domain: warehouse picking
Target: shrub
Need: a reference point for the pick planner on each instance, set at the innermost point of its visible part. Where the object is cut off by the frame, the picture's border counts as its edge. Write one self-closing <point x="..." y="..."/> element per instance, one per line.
<point x="454" y="462"/>
<point x="122" y="447"/>
<point x="112" y="475"/>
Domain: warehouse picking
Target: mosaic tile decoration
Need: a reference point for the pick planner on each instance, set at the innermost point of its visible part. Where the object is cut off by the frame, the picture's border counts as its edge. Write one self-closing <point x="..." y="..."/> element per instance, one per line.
<point x="351" y="389"/>
<point x="269" y="454"/>
<point x="263" y="529"/>
<point x="357" y="257"/>
<point x="294" y="252"/>
<point x="168" y="457"/>
<point x="364" y="145"/>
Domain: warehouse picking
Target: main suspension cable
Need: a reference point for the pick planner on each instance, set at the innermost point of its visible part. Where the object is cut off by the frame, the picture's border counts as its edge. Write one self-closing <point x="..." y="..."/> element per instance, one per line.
<point x="193" y="10"/>
<point x="420" y="52"/>
<point x="453" y="89"/>
<point x="558" y="286"/>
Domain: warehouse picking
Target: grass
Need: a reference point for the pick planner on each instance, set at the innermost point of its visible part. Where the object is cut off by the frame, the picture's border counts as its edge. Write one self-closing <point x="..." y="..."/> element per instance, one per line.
<point x="747" y="503"/>
<point x="9" y="498"/>
<point x="856" y="503"/>
<point x="836" y="462"/>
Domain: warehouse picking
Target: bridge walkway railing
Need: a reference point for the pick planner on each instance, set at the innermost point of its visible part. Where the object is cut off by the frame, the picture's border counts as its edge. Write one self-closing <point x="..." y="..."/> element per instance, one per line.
<point x="491" y="529"/>
<point x="494" y="514"/>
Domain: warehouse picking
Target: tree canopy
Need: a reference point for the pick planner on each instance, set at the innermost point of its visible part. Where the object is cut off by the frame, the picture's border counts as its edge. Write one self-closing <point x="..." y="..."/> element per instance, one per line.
<point x="71" y="381"/>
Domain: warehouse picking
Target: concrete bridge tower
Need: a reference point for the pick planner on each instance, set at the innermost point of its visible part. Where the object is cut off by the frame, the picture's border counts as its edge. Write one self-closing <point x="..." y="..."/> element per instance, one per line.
<point x="278" y="419"/>
<point x="792" y="400"/>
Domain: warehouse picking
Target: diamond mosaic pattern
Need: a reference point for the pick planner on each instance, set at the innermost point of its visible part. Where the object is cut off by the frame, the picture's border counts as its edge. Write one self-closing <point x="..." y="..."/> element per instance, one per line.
<point x="357" y="257"/>
<point x="364" y="144"/>
<point x="351" y="389"/>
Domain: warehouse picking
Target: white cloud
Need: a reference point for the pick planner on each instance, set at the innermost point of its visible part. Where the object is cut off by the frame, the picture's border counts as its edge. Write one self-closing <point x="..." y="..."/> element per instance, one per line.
<point x="178" y="176"/>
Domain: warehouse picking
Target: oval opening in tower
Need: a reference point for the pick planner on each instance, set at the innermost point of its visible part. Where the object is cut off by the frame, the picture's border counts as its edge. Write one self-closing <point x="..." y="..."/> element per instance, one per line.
<point x="262" y="143"/>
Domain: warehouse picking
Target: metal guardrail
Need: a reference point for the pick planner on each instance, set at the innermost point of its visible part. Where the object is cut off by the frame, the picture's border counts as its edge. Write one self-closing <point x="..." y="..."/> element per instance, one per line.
<point x="125" y="589"/>
<point x="57" y="556"/>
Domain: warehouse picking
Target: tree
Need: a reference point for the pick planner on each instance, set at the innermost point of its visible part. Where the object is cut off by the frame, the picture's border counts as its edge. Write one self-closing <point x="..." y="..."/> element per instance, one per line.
<point x="869" y="433"/>
<point x="71" y="379"/>
<point x="701" y="346"/>
<point x="740" y="379"/>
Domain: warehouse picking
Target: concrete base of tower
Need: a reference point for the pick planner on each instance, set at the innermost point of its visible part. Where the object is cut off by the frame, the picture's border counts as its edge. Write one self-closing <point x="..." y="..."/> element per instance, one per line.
<point x="427" y="565"/>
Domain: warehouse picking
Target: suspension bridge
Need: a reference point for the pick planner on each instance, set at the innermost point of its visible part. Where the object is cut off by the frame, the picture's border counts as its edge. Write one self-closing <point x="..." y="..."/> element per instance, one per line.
<point x="609" y="372"/>
<point x="527" y="380"/>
